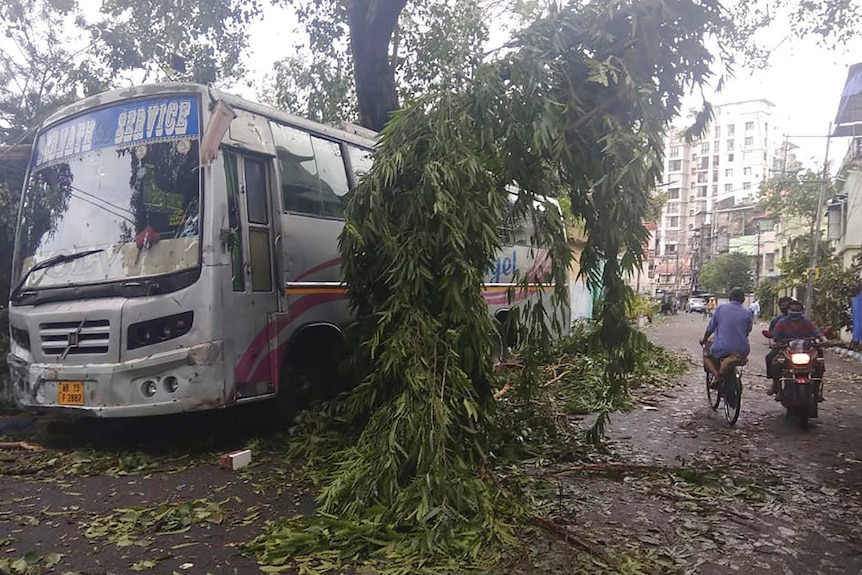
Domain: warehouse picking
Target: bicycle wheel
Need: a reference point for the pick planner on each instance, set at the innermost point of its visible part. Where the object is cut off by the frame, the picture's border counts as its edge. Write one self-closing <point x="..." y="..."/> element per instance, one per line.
<point x="732" y="395"/>
<point x="711" y="394"/>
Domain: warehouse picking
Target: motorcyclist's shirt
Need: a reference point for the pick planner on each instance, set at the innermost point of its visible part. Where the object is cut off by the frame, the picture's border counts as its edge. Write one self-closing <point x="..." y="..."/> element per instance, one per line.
<point x="787" y="329"/>
<point x="775" y="321"/>
<point x="731" y="323"/>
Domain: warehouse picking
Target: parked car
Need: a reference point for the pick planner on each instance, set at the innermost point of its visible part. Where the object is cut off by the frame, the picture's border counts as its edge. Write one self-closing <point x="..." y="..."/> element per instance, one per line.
<point x="696" y="305"/>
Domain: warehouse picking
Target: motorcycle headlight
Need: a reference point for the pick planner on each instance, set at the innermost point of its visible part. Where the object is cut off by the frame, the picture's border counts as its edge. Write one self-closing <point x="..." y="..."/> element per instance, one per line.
<point x="800" y="358"/>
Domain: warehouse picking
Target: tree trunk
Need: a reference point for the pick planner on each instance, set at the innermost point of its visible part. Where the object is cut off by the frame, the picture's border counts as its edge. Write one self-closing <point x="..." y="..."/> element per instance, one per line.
<point x="371" y="25"/>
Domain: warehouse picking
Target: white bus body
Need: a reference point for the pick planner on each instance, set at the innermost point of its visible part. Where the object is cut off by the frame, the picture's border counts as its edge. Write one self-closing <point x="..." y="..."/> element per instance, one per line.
<point x="213" y="274"/>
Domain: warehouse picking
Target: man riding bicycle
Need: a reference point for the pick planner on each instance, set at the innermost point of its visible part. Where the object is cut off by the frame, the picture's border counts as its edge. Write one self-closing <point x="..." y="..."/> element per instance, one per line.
<point x="731" y="323"/>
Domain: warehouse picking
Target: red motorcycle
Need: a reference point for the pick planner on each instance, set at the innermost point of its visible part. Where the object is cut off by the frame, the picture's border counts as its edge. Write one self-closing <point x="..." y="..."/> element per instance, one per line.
<point x="800" y="367"/>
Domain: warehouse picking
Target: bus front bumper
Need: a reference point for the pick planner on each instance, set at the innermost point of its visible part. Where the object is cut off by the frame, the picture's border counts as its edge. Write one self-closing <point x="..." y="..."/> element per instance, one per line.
<point x="187" y="379"/>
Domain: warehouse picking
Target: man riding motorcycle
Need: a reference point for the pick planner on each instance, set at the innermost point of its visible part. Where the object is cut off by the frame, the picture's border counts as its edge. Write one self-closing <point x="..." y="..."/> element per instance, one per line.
<point x="783" y="305"/>
<point x="731" y="323"/>
<point x="797" y="326"/>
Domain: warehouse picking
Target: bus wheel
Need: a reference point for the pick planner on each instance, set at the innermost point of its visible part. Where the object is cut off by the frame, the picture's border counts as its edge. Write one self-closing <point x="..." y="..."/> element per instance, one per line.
<point x="310" y="370"/>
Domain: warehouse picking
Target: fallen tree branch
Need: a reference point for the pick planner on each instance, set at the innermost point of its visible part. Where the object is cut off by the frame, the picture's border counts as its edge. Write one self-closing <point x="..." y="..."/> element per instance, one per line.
<point x="20" y="445"/>
<point x="566" y="535"/>
<point x="504" y="364"/>
<point x="557" y="378"/>
<point x="503" y="390"/>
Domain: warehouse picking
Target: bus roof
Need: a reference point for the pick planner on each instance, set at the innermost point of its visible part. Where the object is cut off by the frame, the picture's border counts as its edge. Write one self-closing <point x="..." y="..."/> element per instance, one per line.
<point x="344" y="131"/>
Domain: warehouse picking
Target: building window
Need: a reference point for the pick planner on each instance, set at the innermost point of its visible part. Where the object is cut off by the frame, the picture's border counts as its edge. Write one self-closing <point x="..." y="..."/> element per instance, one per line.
<point x="746" y="171"/>
<point x="693" y="170"/>
<point x="674" y="166"/>
<point x="715" y="161"/>
<point x="749" y="126"/>
<point x="746" y="186"/>
<point x="673" y="222"/>
<point x="730" y="144"/>
<point x="691" y="212"/>
<point x="702" y="178"/>
<point x="730" y="157"/>
<point x="674" y="151"/>
<point x="749" y="141"/>
<point x="715" y="190"/>
<point x="693" y="156"/>
<point x="701" y="192"/>
<point x="769" y="262"/>
<point x="703" y="163"/>
<point x="717" y="132"/>
<point x="673" y="208"/>
<point x="671" y="249"/>
<point x="728" y="188"/>
<point x="728" y="173"/>
<point x="731" y="130"/>
<point x="673" y="194"/>
<point x="704" y="148"/>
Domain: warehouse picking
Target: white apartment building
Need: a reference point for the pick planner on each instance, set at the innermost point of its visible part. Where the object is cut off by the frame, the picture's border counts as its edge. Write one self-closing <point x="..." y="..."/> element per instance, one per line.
<point x="742" y="147"/>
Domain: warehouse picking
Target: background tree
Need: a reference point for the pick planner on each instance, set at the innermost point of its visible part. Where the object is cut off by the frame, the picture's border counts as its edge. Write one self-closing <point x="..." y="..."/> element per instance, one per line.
<point x="434" y="45"/>
<point x="794" y="195"/>
<point x="834" y="286"/>
<point x="182" y="40"/>
<point x="725" y="272"/>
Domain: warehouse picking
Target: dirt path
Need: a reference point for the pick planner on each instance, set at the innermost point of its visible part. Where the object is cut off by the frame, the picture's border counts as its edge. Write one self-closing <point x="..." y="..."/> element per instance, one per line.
<point x="774" y="498"/>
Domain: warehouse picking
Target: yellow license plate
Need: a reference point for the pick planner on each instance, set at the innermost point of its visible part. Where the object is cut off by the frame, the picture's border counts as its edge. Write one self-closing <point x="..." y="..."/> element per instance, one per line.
<point x="70" y="393"/>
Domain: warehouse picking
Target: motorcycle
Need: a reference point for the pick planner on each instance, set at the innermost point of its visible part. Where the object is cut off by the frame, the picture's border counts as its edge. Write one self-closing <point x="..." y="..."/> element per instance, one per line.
<point x="800" y="364"/>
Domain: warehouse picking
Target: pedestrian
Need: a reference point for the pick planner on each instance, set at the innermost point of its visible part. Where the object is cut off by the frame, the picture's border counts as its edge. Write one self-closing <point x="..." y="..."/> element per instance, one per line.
<point x="754" y="308"/>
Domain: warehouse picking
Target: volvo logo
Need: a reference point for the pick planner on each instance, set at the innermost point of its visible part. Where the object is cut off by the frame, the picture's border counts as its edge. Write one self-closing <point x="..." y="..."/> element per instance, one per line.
<point x="73" y="339"/>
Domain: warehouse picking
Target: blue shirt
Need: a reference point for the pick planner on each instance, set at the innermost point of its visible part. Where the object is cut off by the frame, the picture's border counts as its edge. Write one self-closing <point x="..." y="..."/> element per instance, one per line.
<point x="731" y="323"/>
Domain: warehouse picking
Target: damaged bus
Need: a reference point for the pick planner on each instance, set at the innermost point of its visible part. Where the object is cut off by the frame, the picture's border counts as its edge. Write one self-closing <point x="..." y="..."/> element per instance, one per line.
<point x="177" y="250"/>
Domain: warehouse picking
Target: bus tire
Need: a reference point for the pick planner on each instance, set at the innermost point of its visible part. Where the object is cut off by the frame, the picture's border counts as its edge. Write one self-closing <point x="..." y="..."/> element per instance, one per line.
<point x="310" y="369"/>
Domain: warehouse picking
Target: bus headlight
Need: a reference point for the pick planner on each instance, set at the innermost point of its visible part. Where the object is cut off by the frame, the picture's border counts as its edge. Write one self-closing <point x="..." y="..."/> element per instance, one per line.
<point x="159" y="330"/>
<point x="171" y="384"/>
<point x="148" y="388"/>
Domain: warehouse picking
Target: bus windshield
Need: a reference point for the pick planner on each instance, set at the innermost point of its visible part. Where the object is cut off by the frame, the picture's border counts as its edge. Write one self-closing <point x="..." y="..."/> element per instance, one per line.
<point x="136" y="197"/>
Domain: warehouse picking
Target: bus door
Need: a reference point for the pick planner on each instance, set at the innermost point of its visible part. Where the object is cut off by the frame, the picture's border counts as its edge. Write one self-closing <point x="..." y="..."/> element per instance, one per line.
<point x="254" y="297"/>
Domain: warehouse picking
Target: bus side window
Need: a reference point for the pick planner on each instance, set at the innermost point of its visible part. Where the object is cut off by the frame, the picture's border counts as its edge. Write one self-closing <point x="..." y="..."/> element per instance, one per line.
<point x="300" y="187"/>
<point x="333" y="176"/>
<point x="313" y="174"/>
<point x="506" y="228"/>
<point x="360" y="161"/>
<point x="230" y="170"/>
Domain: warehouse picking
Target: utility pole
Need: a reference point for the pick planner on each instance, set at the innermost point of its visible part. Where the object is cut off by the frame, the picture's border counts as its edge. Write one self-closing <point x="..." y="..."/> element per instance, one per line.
<point x="757" y="258"/>
<point x="824" y="185"/>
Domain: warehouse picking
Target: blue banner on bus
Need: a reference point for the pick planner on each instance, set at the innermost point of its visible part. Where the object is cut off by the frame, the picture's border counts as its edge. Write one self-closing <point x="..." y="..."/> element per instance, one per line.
<point x="120" y="126"/>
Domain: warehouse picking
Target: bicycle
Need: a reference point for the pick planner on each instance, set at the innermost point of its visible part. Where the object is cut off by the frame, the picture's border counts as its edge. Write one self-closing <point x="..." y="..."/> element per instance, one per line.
<point x="729" y="390"/>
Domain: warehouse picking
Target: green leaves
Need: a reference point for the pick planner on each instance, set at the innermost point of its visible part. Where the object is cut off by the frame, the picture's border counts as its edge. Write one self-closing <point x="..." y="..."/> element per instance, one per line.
<point x="137" y="525"/>
<point x="578" y="108"/>
<point x="725" y="272"/>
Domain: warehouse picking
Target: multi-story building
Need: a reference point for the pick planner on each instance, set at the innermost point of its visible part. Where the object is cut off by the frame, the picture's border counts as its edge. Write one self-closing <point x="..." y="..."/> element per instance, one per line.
<point x="742" y="147"/>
